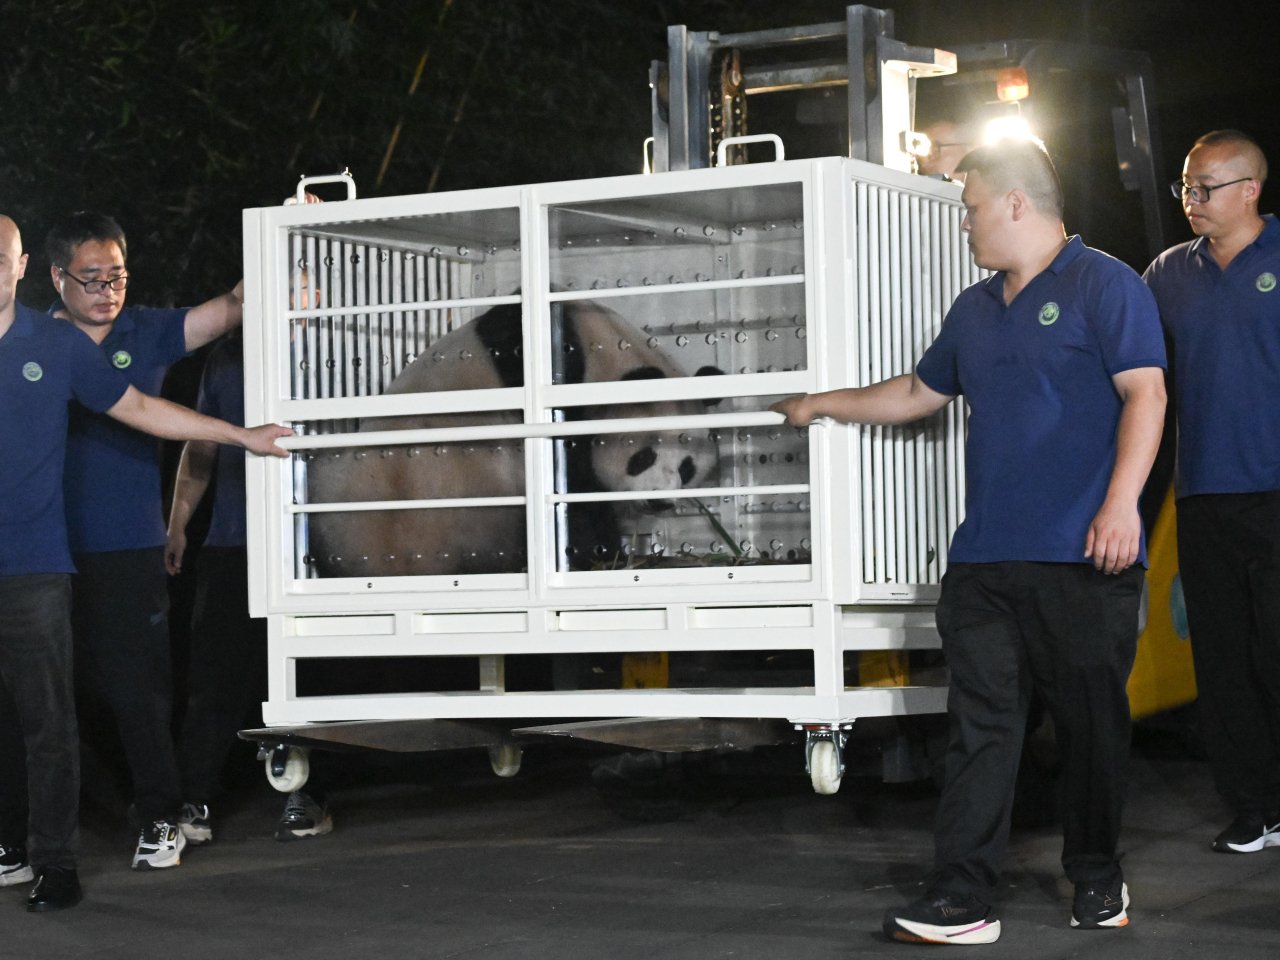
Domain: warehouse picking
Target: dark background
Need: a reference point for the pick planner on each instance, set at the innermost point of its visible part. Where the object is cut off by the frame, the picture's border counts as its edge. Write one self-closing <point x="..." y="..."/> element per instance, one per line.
<point x="174" y="116"/>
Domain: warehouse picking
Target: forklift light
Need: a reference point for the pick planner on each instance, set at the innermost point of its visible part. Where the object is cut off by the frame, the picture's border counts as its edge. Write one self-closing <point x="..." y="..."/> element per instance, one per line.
<point x="916" y="144"/>
<point x="1011" y="127"/>
<point x="1012" y="85"/>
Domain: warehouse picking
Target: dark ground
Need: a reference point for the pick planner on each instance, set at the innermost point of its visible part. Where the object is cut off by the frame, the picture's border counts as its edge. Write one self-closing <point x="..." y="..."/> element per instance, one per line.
<point x="435" y="857"/>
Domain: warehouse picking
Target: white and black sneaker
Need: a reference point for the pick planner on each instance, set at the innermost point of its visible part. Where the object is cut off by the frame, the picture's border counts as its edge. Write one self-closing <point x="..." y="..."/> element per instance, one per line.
<point x="942" y="917"/>
<point x="1249" y="834"/>
<point x="304" y="817"/>
<point x="160" y="845"/>
<point x="195" y="823"/>
<point x="13" y="866"/>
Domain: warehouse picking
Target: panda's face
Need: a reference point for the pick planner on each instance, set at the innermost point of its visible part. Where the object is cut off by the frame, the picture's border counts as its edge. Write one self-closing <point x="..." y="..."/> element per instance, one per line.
<point x="607" y="351"/>
<point x="655" y="461"/>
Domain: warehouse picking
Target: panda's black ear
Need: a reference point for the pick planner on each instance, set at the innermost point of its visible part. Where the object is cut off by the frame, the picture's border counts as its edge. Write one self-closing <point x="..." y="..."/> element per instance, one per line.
<point x="710" y="372"/>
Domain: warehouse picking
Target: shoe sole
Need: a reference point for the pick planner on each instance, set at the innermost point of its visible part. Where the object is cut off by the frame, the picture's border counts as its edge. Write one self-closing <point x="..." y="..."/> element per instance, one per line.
<point x="1264" y="841"/>
<point x="910" y="931"/>
<point x="16" y="876"/>
<point x="196" y="836"/>
<point x="284" y="834"/>
<point x="1121" y="919"/>
<point x="49" y="907"/>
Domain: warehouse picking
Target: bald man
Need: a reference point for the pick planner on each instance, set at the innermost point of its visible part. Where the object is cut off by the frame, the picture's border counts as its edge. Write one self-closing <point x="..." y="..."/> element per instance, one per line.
<point x="44" y="363"/>
<point x="1220" y="306"/>
<point x="1060" y="357"/>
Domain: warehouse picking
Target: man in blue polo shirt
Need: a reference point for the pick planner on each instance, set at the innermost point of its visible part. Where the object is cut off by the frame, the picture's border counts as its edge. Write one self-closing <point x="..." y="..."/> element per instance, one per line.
<point x="115" y="516"/>
<point x="1060" y="358"/>
<point x="1220" y="306"/>
<point x="44" y="364"/>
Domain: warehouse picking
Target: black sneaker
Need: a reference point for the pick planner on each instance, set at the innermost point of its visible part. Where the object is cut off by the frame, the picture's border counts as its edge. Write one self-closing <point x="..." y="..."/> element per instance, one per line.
<point x="195" y="823"/>
<point x="57" y="888"/>
<point x="943" y="918"/>
<point x="13" y="866"/>
<point x="304" y="817"/>
<point x="1248" y="833"/>
<point x="1099" y="904"/>
<point x="160" y="845"/>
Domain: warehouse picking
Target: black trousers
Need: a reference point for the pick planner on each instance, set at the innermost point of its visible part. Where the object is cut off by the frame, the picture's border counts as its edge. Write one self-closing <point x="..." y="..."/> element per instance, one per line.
<point x="121" y="624"/>
<point x="1229" y="555"/>
<point x="1070" y="633"/>
<point x="39" y="746"/>
<point x="228" y="672"/>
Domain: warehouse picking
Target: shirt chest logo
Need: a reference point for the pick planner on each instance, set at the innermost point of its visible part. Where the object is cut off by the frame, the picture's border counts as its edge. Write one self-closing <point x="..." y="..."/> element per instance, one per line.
<point x="32" y="371"/>
<point x="121" y="359"/>
<point x="1049" y="314"/>
<point x="1266" y="282"/>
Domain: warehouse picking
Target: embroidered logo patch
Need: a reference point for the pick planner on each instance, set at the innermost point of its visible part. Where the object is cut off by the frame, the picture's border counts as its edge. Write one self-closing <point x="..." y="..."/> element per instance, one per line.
<point x="1049" y="314"/>
<point x="1266" y="282"/>
<point x="121" y="359"/>
<point x="32" y="371"/>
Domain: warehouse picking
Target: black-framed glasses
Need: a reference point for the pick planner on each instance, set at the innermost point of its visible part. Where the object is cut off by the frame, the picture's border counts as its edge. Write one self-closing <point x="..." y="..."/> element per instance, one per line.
<point x="1199" y="192"/>
<point x="98" y="286"/>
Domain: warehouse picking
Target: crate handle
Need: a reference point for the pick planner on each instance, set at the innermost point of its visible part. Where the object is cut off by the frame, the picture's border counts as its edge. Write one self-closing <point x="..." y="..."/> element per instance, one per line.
<point x="344" y="177"/>
<point x="779" y="153"/>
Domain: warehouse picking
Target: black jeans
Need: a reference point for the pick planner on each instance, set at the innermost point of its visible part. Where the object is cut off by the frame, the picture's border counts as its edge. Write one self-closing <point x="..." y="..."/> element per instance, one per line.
<point x="1229" y="555"/>
<point x="39" y="746"/>
<point x="1070" y="633"/>
<point x="228" y="672"/>
<point x="121" y="625"/>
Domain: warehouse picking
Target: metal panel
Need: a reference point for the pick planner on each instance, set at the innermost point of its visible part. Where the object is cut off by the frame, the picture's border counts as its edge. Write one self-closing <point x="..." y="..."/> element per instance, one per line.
<point x="909" y="266"/>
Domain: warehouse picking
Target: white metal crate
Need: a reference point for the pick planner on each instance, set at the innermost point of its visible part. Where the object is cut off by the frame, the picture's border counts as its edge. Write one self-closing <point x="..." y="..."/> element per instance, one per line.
<point x="815" y="545"/>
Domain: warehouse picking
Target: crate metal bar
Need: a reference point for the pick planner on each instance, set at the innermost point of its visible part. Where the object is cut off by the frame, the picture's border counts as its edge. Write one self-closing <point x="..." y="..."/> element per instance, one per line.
<point x="530" y="431"/>
<point x="693" y="286"/>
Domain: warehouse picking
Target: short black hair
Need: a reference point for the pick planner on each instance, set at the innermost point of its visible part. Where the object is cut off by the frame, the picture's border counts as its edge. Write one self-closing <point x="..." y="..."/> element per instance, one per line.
<point x="81" y="227"/>
<point x="1245" y="145"/>
<point x="1018" y="163"/>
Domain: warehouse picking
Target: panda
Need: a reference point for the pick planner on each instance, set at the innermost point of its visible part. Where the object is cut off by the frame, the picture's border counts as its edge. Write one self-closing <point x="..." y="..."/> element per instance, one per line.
<point x="592" y="344"/>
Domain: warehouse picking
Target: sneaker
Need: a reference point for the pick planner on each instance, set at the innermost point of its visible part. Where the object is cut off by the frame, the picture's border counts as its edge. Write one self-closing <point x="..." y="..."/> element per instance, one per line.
<point x="943" y="918"/>
<point x="1099" y="904"/>
<point x="13" y="866"/>
<point x="160" y="845"/>
<point x="57" y="888"/>
<point x="1248" y="833"/>
<point x="303" y="817"/>
<point x="195" y="823"/>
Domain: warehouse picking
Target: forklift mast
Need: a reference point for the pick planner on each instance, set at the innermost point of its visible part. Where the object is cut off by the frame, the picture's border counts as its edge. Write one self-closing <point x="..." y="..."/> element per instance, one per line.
<point x="852" y="89"/>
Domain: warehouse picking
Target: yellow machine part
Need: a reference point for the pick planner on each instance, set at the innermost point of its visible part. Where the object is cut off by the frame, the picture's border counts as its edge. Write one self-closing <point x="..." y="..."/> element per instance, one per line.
<point x="1163" y="676"/>
<point x="642" y="671"/>
<point x="883" y="668"/>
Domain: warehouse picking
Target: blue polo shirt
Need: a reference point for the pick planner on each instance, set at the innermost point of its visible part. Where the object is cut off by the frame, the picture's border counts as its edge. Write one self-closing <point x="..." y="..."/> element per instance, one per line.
<point x="112" y="479"/>
<point x="1043" y="411"/>
<point x="44" y="364"/>
<point x="222" y="396"/>
<point x="1224" y="330"/>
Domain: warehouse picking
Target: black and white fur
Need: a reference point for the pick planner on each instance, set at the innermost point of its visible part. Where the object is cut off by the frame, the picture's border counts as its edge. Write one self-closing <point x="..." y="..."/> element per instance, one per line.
<point x="594" y="345"/>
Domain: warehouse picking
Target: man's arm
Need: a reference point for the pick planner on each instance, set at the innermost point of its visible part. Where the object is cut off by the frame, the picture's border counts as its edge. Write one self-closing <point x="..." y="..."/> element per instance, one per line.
<point x="897" y="400"/>
<point x="1116" y="531"/>
<point x="169" y="421"/>
<point x="195" y="470"/>
<point x="213" y="318"/>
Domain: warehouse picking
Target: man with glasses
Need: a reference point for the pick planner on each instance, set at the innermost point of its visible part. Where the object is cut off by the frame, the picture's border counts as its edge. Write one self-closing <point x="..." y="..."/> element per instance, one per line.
<point x="115" y="517"/>
<point x="1220" y="307"/>
<point x="45" y="364"/>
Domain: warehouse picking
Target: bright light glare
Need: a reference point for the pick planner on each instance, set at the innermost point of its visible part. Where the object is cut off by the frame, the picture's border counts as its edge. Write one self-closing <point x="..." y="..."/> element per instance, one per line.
<point x="916" y="144"/>
<point x="1012" y="127"/>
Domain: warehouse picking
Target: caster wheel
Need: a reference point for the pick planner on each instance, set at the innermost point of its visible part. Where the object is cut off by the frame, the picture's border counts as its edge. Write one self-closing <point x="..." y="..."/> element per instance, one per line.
<point x="287" y="768"/>
<point x="824" y="767"/>
<point x="505" y="758"/>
